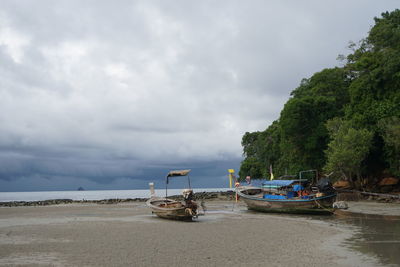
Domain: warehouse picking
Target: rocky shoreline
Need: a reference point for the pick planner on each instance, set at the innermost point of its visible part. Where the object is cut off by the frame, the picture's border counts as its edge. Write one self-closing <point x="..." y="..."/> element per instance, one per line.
<point x="348" y="195"/>
<point x="228" y="195"/>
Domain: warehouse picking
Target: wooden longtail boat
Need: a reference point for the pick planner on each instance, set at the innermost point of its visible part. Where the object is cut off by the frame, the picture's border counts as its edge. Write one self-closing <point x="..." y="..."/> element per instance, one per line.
<point x="166" y="208"/>
<point x="290" y="196"/>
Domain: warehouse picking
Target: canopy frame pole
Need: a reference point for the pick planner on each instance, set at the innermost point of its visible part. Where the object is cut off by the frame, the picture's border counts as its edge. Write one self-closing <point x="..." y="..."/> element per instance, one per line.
<point x="166" y="187"/>
<point x="173" y="174"/>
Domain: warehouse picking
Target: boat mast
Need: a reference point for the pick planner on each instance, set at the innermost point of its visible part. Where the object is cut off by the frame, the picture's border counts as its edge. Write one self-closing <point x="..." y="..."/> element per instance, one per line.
<point x="166" y="186"/>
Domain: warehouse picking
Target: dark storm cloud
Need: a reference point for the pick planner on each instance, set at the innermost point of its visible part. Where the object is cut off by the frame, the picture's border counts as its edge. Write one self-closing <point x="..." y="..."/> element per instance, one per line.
<point x="115" y="93"/>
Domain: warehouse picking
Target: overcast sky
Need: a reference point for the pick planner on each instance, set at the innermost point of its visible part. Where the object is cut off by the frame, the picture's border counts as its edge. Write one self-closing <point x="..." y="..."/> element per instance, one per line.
<point x="113" y="94"/>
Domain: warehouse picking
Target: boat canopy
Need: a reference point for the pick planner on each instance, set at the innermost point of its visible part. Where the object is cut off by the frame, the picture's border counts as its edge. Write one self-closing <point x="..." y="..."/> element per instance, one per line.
<point x="280" y="183"/>
<point x="178" y="173"/>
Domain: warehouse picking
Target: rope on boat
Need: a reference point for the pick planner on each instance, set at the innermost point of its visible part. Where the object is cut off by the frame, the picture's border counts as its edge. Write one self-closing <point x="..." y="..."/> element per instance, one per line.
<point x="321" y="207"/>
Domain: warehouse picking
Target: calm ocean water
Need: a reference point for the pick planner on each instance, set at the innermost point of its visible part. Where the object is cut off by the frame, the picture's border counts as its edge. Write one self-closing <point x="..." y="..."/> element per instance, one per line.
<point x="94" y="195"/>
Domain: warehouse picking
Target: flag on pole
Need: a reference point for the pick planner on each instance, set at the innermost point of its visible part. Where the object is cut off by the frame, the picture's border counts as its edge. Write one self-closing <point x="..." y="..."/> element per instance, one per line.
<point x="270" y="172"/>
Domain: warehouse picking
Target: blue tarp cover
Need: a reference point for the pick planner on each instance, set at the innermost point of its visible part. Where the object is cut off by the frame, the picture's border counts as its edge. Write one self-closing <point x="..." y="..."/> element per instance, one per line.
<point x="298" y="187"/>
<point x="290" y="194"/>
<point x="279" y="182"/>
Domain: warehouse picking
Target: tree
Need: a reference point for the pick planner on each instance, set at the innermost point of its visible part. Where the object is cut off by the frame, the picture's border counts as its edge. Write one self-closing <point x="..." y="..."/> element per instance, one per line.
<point x="390" y="130"/>
<point x="249" y="144"/>
<point x="375" y="71"/>
<point x="303" y="133"/>
<point x="348" y="148"/>
<point x="250" y="167"/>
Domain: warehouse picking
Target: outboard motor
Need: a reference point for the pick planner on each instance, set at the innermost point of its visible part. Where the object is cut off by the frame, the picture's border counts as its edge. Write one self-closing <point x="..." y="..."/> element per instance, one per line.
<point x="324" y="185"/>
<point x="191" y="206"/>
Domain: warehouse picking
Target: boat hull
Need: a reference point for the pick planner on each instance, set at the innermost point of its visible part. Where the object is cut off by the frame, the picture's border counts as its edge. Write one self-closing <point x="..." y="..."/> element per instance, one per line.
<point x="317" y="205"/>
<point x="172" y="210"/>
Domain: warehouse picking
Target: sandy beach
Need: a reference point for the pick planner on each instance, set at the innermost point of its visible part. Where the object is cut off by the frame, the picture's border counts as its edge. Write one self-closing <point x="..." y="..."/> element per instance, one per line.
<point x="129" y="235"/>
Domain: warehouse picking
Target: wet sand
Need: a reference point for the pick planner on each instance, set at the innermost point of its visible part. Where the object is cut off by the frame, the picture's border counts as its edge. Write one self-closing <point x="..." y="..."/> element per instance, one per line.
<point x="129" y="235"/>
<point x="374" y="208"/>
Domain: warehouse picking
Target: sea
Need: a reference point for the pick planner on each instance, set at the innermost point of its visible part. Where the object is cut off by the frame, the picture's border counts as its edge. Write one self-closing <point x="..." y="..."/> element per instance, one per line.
<point x="94" y="194"/>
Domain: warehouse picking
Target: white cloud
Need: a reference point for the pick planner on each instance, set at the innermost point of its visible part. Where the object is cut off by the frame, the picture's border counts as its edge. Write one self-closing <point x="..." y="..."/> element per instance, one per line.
<point x="14" y="41"/>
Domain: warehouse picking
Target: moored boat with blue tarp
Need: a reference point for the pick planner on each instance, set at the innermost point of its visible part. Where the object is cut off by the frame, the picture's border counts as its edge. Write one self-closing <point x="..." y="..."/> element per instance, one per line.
<point x="291" y="196"/>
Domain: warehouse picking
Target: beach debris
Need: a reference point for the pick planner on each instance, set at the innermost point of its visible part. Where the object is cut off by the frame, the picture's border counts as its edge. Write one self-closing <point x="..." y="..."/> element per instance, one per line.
<point x="388" y="181"/>
<point x="342" y="184"/>
<point x="340" y="205"/>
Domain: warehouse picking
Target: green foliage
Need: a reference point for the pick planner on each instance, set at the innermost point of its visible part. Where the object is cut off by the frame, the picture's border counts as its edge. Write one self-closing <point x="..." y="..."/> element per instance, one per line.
<point x="375" y="68"/>
<point x="294" y="142"/>
<point x="364" y="93"/>
<point x="260" y="149"/>
<point x="386" y="32"/>
<point x="347" y="149"/>
<point x="390" y="130"/>
<point x="249" y="143"/>
<point x="252" y="167"/>
<point x="303" y="130"/>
